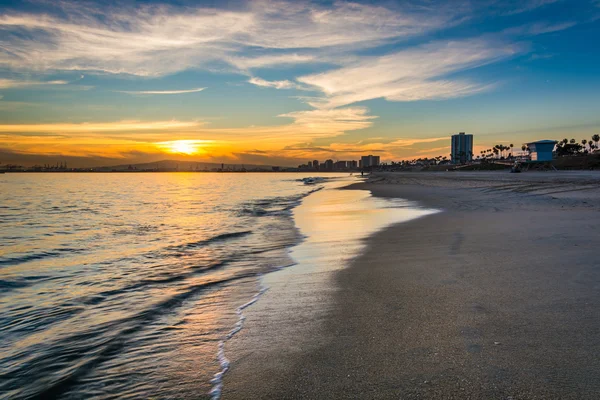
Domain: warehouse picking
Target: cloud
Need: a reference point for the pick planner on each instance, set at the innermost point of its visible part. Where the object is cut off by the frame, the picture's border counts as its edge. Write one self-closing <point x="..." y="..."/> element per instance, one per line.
<point x="154" y="40"/>
<point x="270" y="61"/>
<point x="539" y="28"/>
<point x="121" y="126"/>
<point x="285" y="84"/>
<point x="404" y="142"/>
<point x="445" y="149"/>
<point x="409" y="75"/>
<point x="14" y="83"/>
<point x="16" y="105"/>
<point x="160" y="91"/>
<point x="512" y="7"/>
<point x="332" y="122"/>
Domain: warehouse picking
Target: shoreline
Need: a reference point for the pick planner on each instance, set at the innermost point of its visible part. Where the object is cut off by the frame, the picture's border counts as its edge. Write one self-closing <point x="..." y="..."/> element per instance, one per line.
<point x="493" y="298"/>
<point x="296" y="305"/>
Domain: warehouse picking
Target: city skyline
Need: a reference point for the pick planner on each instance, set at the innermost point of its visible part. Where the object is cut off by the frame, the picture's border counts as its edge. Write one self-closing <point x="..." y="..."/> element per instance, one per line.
<point x="281" y="83"/>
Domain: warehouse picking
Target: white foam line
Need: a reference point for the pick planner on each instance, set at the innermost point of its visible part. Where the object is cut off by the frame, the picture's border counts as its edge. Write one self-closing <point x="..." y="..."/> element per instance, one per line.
<point x="217" y="380"/>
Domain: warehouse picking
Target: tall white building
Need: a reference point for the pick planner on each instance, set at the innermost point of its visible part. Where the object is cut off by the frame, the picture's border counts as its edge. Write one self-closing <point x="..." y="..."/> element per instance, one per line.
<point x="462" y="148"/>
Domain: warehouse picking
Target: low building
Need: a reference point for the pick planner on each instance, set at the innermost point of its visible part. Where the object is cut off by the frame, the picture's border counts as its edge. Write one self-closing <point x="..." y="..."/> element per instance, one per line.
<point x="542" y="150"/>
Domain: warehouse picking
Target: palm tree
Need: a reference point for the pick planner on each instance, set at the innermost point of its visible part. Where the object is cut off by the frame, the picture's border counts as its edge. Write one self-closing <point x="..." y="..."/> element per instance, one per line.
<point x="573" y="141"/>
<point x="565" y="140"/>
<point x="511" y="148"/>
<point x="596" y="139"/>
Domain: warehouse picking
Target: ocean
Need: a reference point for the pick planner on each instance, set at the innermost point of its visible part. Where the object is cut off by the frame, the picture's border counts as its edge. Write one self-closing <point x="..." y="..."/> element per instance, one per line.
<point x="129" y="285"/>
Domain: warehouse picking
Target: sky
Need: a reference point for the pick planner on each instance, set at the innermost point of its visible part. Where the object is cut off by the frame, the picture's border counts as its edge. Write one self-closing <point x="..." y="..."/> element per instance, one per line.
<point x="285" y="82"/>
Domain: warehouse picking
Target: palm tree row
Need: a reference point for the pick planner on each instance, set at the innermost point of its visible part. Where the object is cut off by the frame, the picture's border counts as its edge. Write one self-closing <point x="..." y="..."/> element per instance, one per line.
<point x="571" y="147"/>
<point x="498" y="151"/>
<point x="502" y="151"/>
<point x="565" y="146"/>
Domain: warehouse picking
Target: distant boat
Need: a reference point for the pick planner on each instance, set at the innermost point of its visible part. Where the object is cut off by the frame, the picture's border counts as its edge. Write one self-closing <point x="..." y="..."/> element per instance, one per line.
<point x="309" y="181"/>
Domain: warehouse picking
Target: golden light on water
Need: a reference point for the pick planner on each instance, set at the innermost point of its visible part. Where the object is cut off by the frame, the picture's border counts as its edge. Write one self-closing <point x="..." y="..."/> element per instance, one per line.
<point x="187" y="147"/>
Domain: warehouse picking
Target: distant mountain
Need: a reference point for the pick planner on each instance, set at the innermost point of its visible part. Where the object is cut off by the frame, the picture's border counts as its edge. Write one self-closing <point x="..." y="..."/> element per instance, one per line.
<point x="176" y="165"/>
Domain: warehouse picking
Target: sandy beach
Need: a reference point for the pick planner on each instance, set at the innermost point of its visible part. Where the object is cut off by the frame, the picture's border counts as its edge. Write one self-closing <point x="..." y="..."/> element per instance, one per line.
<point x="495" y="297"/>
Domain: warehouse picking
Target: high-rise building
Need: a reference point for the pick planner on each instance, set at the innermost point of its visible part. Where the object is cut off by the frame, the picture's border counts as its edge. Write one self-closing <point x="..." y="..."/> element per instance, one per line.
<point x="315" y="164"/>
<point x="462" y="148"/>
<point x="329" y="165"/>
<point x="369" y="161"/>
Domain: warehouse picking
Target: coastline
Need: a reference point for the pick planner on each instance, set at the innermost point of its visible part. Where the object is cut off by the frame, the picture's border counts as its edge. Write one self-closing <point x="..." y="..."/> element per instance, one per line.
<point x="493" y="298"/>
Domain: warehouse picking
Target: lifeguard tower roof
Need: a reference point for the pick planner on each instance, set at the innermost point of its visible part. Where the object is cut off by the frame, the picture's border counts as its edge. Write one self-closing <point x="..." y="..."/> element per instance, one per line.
<point x="545" y="141"/>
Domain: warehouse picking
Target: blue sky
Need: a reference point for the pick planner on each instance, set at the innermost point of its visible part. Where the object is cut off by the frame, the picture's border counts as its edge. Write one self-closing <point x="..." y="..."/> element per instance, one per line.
<point x="279" y="82"/>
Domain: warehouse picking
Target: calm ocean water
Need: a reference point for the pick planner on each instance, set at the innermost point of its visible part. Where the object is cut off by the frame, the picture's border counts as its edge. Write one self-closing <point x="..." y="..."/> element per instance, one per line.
<point x="125" y="285"/>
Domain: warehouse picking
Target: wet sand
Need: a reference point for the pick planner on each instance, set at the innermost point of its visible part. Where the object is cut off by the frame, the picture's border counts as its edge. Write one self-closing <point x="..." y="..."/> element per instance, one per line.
<point x="496" y="297"/>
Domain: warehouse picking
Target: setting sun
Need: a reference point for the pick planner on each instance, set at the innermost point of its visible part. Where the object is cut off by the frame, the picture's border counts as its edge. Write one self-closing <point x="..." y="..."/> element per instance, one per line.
<point x="183" y="146"/>
<point x="187" y="147"/>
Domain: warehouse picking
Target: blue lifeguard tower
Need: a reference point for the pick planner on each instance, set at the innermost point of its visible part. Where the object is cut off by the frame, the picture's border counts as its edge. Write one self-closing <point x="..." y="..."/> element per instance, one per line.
<point x="541" y="150"/>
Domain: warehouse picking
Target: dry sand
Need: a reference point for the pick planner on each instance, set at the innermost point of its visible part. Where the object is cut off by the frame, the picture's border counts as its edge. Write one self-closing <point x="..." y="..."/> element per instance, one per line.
<point x="496" y="297"/>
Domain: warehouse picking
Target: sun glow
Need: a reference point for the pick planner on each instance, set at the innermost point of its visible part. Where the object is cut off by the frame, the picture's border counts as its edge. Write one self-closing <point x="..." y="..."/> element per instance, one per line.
<point x="187" y="147"/>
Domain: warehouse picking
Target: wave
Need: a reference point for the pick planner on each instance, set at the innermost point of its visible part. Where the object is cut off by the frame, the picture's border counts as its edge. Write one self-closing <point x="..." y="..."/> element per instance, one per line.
<point x="82" y="352"/>
<point x="219" y="238"/>
<point x="274" y="205"/>
<point x="101" y="296"/>
<point x="21" y="282"/>
<point x="37" y="256"/>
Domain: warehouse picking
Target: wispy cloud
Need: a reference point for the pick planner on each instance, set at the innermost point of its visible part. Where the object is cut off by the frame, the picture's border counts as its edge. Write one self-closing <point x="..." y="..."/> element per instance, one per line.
<point x="150" y="92"/>
<point x="270" y="61"/>
<point x="120" y="126"/>
<point x="335" y="121"/>
<point x="408" y="75"/>
<point x="14" y="83"/>
<point x="512" y="7"/>
<point x="539" y="28"/>
<point x="285" y="84"/>
<point x="157" y="40"/>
